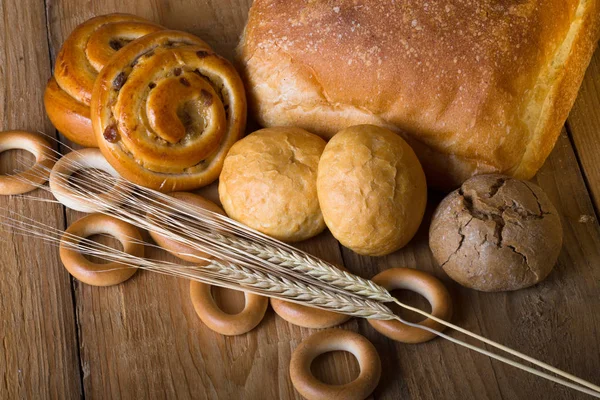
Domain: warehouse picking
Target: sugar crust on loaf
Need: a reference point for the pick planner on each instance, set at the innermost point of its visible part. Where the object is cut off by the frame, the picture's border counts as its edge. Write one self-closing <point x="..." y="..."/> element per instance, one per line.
<point x="474" y="86"/>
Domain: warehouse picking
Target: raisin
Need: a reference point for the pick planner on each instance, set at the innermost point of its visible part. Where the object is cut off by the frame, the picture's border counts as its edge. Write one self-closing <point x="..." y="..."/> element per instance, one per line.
<point x="184" y="82"/>
<point x="119" y="81"/>
<point x="202" y="53"/>
<point x="177" y="71"/>
<point x="116" y="45"/>
<point x="110" y="134"/>
<point x="152" y="85"/>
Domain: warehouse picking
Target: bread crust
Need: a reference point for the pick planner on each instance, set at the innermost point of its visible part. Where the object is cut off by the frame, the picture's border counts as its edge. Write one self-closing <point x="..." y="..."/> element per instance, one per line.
<point x="496" y="233"/>
<point x="193" y="110"/>
<point x="269" y="182"/>
<point x="372" y="190"/>
<point x="474" y="87"/>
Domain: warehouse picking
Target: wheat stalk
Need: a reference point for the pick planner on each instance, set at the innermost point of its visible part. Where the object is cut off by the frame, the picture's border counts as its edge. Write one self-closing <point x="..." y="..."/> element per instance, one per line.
<point x="216" y="272"/>
<point x="250" y="251"/>
<point x="286" y="289"/>
<point x="192" y="223"/>
<point x="321" y="270"/>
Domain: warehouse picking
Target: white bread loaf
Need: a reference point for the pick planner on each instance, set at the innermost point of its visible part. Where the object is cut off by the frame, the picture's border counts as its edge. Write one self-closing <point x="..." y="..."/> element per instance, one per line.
<point x="475" y="86"/>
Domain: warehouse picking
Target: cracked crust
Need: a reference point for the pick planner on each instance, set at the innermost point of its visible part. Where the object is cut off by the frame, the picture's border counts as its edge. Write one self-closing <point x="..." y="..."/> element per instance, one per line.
<point x="496" y="233"/>
<point x="372" y="190"/>
<point x="269" y="182"/>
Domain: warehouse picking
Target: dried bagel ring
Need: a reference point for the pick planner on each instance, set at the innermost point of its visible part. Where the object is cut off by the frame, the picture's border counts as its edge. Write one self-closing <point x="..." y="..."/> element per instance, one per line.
<point x="335" y="340"/>
<point x="84" y="53"/>
<point x="166" y="109"/>
<point x="26" y="181"/>
<point x="201" y="294"/>
<point x="427" y="286"/>
<point x="76" y="161"/>
<point x="308" y="317"/>
<point x="100" y="274"/>
<point x="219" y="321"/>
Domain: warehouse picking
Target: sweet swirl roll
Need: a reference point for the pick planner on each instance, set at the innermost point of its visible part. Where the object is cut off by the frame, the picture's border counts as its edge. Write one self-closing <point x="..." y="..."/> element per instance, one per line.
<point x="166" y="109"/>
<point x="85" y="52"/>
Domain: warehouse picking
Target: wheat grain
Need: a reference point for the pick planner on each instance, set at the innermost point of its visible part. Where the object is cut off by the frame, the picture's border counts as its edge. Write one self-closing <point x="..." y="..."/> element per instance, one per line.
<point x="257" y="263"/>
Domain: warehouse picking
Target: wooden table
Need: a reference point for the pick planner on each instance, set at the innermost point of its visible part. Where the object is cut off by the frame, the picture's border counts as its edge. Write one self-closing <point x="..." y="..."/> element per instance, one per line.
<point x="142" y="339"/>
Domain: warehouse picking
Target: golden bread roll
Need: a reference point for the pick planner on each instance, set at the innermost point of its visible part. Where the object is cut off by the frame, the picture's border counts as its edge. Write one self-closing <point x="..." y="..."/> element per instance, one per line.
<point x="85" y="52"/>
<point x="474" y="87"/>
<point x="166" y="109"/>
<point x="371" y="189"/>
<point x="269" y="182"/>
<point x="496" y="233"/>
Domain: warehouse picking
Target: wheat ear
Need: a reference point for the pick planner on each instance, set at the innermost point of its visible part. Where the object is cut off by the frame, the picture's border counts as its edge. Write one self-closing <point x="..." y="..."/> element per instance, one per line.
<point x="216" y="272"/>
<point x="199" y="237"/>
<point x="236" y="277"/>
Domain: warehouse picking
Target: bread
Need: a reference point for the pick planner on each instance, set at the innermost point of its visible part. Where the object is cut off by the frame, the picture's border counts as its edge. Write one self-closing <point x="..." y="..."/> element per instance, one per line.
<point x="269" y="182"/>
<point x="100" y="274"/>
<point x="37" y="175"/>
<point x="325" y="341"/>
<point x="496" y="233"/>
<point x="427" y="286"/>
<point x="474" y="86"/>
<point x="85" y="52"/>
<point x="372" y="190"/>
<point x="165" y="111"/>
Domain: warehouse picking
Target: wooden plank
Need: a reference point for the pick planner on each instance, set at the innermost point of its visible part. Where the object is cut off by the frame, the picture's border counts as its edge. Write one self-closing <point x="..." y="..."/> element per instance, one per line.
<point x="584" y="127"/>
<point x="38" y="356"/>
<point x="555" y="321"/>
<point x="143" y="338"/>
<point x="217" y="22"/>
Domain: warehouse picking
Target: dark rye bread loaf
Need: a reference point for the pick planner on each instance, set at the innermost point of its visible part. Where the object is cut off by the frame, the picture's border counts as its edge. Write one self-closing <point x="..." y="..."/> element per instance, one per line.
<point x="475" y="86"/>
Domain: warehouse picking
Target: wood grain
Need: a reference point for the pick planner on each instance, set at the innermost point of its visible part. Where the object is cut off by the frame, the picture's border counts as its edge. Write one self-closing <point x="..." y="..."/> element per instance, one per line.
<point x="38" y="352"/>
<point x="584" y="127"/>
<point x="547" y="321"/>
<point x="142" y="339"/>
